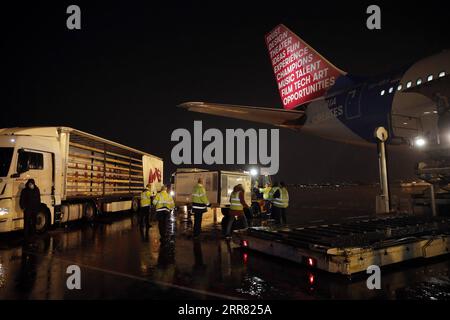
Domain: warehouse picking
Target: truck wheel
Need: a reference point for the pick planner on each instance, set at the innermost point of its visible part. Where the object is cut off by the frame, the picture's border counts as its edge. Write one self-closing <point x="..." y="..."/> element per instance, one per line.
<point x="42" y="220"/>
<point x="90" y="211"/>
<point x="135" y="205"/>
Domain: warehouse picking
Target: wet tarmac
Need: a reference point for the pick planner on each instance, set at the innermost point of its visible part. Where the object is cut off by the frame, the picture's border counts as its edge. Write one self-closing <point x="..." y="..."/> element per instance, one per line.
<point x="118" y="259"/>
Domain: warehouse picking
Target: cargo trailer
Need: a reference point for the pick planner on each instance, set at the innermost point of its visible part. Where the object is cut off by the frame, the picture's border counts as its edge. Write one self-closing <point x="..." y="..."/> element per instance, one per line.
<point x="79" y="175"/>
<point x="218" y="184"/>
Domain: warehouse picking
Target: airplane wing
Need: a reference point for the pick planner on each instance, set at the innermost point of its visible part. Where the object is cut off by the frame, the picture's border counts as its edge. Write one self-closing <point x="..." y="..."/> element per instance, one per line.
<point x="292" y="119"/>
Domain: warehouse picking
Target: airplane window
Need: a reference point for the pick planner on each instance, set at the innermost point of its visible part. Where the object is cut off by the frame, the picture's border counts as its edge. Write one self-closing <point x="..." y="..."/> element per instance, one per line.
<point x="409" y="84"/>
<point x="399" y="87"/>
<point x="382" y="93"/>
<point x="430" y="77"/>
<point x="391" y="89"/>
<point x="441" y="74"/>
<point x="419" y="81"/>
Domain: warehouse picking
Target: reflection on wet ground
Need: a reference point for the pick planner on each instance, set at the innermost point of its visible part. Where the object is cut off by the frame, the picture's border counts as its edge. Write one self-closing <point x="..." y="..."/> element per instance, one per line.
<point x="118" y="259"/>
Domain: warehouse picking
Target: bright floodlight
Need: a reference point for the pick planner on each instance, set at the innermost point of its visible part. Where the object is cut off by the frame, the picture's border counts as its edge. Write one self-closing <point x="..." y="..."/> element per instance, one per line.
<point x="253" y="172"/>
<point x="420" y="142"/>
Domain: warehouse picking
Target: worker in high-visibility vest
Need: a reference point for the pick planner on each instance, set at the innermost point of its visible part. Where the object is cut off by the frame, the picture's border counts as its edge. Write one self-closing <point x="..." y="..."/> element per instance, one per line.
<point x="164" y="205"/>
<point x="146" y="202"/>
<point x="200" y="203"/>
<point x="265" y="191"/>
<point x="266" y="196"/>
<point x="237" y="207"/>
<point x="280" y="200"/>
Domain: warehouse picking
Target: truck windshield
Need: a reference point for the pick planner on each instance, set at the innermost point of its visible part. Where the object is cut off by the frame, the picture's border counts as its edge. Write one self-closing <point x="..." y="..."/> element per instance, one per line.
<point x="5" y="160"/>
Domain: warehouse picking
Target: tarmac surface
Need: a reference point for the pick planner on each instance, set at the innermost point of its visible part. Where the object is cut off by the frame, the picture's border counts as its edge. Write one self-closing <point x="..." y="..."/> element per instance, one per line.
<point x="119" y="260"/>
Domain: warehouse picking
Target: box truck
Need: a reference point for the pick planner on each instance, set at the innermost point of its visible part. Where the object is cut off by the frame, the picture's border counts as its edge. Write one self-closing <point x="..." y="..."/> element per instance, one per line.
<point x="218" y="184"/>
<point x="79" y="175"/>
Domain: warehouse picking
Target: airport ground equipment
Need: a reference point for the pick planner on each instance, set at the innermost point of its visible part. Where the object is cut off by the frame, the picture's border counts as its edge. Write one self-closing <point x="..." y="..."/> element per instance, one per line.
<point x="351" y="247"/>
<point x="434" y="170"/>
<point x="218" y="184"/>
<point x="79" y="175"/>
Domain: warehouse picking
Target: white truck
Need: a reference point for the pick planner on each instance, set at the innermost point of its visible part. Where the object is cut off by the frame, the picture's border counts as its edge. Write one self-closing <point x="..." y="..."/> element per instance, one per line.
<point x="218" y="184"/>
<point x="79" y="175"/>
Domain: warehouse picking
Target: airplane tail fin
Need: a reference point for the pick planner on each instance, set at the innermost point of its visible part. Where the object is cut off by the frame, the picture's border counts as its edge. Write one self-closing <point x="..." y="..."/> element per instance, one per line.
<point x="302" y="74"/>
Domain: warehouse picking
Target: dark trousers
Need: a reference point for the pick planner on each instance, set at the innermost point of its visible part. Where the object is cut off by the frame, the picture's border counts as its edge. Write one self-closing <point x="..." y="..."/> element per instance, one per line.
<point x="144" y="216"/>
<point x="267" y="206"/>
<point x="198" y="216"/>
<point x="163" y="220"/>
<point x="283" y="215"/>
<point x="29" y="224"/>
<point x="279" y="215"/>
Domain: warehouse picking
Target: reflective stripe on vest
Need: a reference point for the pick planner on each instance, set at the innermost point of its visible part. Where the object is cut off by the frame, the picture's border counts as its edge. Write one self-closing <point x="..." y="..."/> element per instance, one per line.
<point x="199" y="196"/>
<point x="272" y="192"/>
<point x="163" y="201"/>
<point x="266" y="192"/>
<point x="235" y="202"/>
<point x="145" y="198"/>
<point x="283" y="200"/>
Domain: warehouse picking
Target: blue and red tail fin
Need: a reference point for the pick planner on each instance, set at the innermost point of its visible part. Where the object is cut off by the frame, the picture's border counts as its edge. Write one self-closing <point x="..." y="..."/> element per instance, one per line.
<point x="302" y="74"/>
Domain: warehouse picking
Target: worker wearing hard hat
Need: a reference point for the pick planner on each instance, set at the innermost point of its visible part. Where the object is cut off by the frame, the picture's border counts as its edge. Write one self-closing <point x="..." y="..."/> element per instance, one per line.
<point x="164" y="205"/>
<point x="200" y="203"/>
<point x="146" y="201"/>
<point x="280" y="200"/>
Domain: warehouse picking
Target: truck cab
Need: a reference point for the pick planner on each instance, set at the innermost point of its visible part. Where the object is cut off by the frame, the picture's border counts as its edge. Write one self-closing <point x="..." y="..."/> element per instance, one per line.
<point x="23" y="156"/>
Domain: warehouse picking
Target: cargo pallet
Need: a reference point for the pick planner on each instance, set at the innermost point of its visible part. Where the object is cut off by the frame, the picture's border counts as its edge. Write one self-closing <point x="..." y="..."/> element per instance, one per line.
<point x="351" y="247"/>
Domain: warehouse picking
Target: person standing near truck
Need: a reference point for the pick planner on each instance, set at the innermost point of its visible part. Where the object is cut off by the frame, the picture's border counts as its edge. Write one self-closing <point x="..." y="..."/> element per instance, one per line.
<point x="237" y="207"/>
<point x="200" y="203"/>
<point x="30" y="203"/>
<point x="164" y="205"/>
<point x="146" y="201"/>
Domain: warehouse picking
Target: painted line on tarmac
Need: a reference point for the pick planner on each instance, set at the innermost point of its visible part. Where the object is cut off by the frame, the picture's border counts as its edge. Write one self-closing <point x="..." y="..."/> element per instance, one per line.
<point x="130" y="276"/>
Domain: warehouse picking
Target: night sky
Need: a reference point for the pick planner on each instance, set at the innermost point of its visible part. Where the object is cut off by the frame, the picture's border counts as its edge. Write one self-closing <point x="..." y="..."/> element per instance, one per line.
<point x="122" y="75"/>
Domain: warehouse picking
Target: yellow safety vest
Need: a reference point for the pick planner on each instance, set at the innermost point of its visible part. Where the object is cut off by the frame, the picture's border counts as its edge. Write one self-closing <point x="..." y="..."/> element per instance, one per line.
<point x="235" y="202"/>
<point x="265" y="192"/>
<point x="145" y="198"/>
<point x="163" y="201"/>
<point x="199" y="197"/>
<point x="272" y="192"/>
<point x="283" y="200"/>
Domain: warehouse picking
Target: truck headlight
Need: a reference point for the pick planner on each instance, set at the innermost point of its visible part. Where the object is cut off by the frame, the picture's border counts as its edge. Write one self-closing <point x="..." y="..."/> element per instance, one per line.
<point x="4" y="211"/>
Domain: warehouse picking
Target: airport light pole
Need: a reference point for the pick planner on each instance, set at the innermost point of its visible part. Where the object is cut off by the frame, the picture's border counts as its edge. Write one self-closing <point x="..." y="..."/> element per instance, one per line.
<point x="382" y="135"/>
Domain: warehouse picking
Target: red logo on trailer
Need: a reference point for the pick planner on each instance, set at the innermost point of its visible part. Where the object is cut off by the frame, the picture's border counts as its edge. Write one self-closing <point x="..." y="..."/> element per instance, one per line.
<point x="154" y="175"/>
<point x="302" y="74"/>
